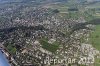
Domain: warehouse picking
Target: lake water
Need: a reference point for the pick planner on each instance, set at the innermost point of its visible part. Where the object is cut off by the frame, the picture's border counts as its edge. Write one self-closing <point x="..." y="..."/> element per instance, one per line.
<point x="3" y="60"/>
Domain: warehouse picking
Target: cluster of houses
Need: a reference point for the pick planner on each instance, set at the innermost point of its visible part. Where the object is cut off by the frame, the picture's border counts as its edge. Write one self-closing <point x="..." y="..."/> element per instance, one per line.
<point x="41" y="23"/>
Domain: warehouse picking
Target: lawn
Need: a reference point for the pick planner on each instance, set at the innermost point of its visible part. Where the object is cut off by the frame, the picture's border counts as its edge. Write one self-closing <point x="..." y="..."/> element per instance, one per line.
<point x="50" y="47"/>
<point x="95" y="37"/>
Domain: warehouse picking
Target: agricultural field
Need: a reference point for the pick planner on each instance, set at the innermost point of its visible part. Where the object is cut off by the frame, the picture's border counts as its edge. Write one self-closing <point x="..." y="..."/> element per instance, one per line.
<point x="97" y="62"/>
<point x="95" y="5"/>
<point x="95" y="37"/>
<point x="87" y="13"/>
<point x="97" y="15"/>
<point x="60" y="7"/>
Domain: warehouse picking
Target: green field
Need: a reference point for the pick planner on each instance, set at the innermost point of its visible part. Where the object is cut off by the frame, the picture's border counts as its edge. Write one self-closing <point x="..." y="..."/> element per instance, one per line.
<point x="11" y="49"/>
<point x="95" y="37"/>
<point x="50" y="47"/>
<point x="95" y="5"/>
<point x="60" y="7"/>
<point x="87" y="13"/>
<point x="97" y="15"/>
<point x="97" y="62"/>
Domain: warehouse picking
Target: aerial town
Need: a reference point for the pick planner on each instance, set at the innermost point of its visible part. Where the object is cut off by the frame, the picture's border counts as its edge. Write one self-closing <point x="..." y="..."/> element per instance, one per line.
<point x="50" y="32"/>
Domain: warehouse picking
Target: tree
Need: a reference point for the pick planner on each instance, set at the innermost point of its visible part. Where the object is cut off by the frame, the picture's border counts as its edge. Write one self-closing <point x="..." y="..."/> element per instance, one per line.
<point x="69" y="64"/>
<point x="56" y="11"/>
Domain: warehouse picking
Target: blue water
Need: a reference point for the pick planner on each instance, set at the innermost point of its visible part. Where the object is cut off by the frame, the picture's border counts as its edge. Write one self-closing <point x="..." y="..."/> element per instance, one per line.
<point x="3" y="60"/>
